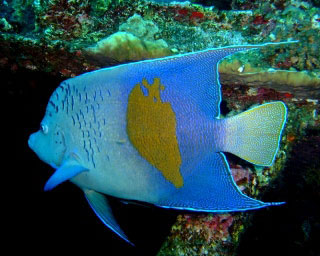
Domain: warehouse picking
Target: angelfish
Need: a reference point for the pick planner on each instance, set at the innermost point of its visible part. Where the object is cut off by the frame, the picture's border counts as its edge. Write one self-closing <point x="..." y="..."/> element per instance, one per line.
<point x="151" y="131"/>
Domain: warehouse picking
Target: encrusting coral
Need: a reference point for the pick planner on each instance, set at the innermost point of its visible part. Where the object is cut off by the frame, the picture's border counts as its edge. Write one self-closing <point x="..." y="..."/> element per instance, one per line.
<point x="302" y="83"/>
<point x="135" y="41"/>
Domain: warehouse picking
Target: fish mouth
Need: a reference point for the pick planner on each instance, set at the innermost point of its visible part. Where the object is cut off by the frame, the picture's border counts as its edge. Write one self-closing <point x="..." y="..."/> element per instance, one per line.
<point x="31" y="140"/>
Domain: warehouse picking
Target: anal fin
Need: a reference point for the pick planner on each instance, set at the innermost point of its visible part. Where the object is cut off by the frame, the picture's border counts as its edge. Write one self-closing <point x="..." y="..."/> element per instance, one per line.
<point x="210" y="188"/>
<point x="100" y="205"/>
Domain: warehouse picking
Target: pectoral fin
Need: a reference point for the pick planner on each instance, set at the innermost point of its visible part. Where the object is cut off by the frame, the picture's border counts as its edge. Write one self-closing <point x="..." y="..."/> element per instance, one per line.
<point x="100" y="206"/>
<point x="65" y="172"/>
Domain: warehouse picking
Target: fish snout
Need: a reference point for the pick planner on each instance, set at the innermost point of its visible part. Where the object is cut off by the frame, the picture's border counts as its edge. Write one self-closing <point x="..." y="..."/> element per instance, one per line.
<point x="31" y="140"/>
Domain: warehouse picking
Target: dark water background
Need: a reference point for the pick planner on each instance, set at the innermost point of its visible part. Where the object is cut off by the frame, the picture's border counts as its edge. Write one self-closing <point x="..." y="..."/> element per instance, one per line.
<point x="62" y="221"/>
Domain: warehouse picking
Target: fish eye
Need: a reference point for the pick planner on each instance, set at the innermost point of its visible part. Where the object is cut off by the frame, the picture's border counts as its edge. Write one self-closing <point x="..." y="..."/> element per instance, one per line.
<point x="44" y="128"/>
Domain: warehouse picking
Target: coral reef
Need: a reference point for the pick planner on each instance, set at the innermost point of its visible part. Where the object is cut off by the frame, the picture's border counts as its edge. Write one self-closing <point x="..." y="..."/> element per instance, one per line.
<point x="162" y="29"/>
<point x="209" y="234"/>
<point x="135" y="42"/>
<point x="303" y="84"/>
<point x="185" y="27"/>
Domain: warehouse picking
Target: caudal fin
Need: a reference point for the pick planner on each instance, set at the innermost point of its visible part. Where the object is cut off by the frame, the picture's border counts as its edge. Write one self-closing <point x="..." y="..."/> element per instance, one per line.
<point x="255" y="134"/>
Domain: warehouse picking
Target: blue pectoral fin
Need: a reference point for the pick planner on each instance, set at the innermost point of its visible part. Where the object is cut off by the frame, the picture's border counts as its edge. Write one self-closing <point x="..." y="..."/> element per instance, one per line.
<point x="65" y="172"/>
<point x="211" y="188"/>
<point x="100" y="206"/>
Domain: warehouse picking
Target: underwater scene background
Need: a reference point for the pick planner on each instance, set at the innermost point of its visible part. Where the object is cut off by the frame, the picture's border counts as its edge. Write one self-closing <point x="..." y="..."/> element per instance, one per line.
<point x="44" y="42"/>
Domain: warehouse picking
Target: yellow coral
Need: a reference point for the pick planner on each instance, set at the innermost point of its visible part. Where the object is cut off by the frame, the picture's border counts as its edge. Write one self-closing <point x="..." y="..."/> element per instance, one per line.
<point x="123" y="46"/>
<point x="300" y="83"/>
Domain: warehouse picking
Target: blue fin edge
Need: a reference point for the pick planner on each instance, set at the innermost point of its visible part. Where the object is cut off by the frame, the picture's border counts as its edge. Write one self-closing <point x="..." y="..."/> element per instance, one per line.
<point x="220" y="211"/>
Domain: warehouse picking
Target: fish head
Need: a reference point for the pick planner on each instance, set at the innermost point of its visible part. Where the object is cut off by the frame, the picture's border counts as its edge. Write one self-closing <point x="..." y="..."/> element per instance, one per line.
<point x="49" y="142"/>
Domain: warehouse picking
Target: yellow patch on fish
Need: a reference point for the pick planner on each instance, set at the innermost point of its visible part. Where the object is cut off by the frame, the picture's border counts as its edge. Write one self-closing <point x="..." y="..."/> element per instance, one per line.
<point x="151" y="127"/>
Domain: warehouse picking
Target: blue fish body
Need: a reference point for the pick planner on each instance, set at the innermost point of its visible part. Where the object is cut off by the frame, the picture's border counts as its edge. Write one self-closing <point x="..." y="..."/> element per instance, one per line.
<point x="150" y="131"/>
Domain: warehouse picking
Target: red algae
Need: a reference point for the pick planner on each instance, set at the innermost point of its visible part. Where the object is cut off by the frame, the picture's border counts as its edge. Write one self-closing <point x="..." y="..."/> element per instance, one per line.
<point x="212" y="228"/>
<point x="197" y="15"/>
<point x="259" y="20"/>
<point x="241" y="176"/>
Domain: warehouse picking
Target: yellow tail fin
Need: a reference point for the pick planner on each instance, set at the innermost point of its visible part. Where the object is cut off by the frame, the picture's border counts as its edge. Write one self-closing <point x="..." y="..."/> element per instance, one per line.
<point x="255" y="134"/>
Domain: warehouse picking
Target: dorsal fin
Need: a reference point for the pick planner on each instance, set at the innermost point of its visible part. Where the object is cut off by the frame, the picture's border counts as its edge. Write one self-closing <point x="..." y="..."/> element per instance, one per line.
<point x="194" y="76"/>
